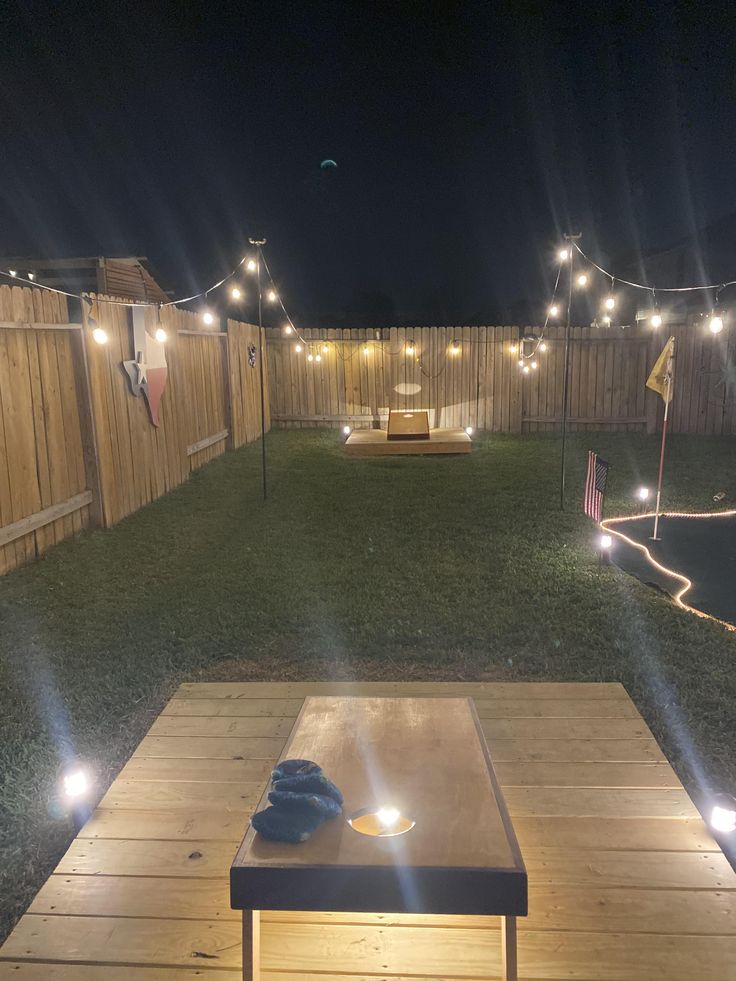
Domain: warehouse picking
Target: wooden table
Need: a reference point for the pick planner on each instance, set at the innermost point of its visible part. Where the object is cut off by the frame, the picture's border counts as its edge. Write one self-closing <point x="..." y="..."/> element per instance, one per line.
<point x="428" y="758"/>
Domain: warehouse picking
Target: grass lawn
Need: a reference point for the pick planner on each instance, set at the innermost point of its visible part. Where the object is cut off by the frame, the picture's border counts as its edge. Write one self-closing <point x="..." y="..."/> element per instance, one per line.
<point x="437" y="568"/>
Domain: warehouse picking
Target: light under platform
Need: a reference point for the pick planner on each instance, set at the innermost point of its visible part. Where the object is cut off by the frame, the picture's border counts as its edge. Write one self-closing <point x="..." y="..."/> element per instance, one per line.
<point x="375" y="442"/>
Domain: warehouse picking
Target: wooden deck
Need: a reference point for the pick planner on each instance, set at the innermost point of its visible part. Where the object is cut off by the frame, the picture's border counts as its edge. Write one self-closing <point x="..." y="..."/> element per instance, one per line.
<point x="374" y="442"/>
<point x="625" y="883"/>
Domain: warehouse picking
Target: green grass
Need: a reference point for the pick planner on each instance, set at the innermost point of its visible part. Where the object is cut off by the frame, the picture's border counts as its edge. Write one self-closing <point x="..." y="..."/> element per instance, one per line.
<point x="418" y="568"/>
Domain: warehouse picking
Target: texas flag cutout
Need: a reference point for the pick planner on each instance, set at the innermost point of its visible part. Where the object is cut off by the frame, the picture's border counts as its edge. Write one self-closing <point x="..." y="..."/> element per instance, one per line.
<point x="148" y="371"/>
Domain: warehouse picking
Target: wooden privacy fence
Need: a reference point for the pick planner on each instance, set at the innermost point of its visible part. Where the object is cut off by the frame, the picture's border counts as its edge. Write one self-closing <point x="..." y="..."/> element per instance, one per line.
<point x="76" y="447"/>
<point x="470" y="376"/>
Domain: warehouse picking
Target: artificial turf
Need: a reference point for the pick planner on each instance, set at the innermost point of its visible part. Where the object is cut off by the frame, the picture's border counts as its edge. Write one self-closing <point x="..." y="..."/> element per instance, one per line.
<point x="457" y="568"/>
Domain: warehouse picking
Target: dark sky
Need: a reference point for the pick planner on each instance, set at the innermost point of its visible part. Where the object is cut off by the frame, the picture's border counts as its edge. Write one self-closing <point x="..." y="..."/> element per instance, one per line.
<point x="468" y="137"/>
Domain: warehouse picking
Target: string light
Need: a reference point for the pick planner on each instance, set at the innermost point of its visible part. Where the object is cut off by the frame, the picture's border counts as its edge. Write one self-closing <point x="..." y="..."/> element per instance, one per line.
<point x="610" y="302"/>
<point x="288" y="329"/>
<point x="525" y="369"/>
<point x="31" y="276"/>
<point x="563" y="255"/>
<point x="208" y="318"/>
<point x="251" y="265"/>
<point x="534" y="365"/>
<point x="100" y="335"/>
<point x="272" y="296"/>
<point x="298" y="348"/>
<point x="366" y="349"/>
<point x="582" y="280"/>
<point x="236" y="292"/>
<point x="161" y="335"/>
<point x="554" y="310"/>
<point x="513" y="348"/>
<point x="410" y="348"/>
<point x="455" y="347"/>
<point x="13" y="272"/>
<point x="325" y="348"/>
<point x="543" y="346"/>
<point x="310" y="356"/>
<point x="520" y="362"/>
<point x="656" y="320"/>
<point x="716" y="325"/>
<point x="318" y="357"/>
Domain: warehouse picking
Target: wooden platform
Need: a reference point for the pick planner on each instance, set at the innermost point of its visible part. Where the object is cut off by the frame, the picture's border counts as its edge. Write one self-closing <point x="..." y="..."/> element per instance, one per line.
<point x="625" y="883"/>
<point x="374" y="442"/>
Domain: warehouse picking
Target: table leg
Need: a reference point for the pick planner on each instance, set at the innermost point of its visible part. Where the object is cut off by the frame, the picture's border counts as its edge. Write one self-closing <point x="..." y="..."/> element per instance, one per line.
<point x="508" y="948"/>
<point x="251" y="945"/>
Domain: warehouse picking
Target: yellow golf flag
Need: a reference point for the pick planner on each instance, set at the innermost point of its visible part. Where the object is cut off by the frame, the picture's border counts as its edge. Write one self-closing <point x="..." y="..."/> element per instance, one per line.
<point x="662" y="377"/>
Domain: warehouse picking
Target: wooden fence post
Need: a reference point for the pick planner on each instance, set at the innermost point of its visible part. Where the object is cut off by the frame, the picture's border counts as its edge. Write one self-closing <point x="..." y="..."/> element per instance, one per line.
<point x="87" y="423"/>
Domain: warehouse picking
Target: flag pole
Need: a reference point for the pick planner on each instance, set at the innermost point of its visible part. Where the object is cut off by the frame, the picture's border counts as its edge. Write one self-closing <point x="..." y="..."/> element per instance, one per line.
<point x="654" y="537"/>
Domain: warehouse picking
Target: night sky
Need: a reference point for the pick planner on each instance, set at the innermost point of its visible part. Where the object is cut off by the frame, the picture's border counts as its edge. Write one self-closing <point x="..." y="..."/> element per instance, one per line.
<point x="468" y="138"/>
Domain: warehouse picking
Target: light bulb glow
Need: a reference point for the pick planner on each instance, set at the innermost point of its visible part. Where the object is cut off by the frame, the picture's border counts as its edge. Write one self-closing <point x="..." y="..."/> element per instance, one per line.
<point x="13" y="272"/>
<point x="582" y="280"/>
<point x="605" y="542"/>
<point x="610" y="302"/>
<point x="520" y="362"/>
<point x="534" y="365"/>
<point x="75" y="784"/>
<point x="100" y="335"/>
<point x="455" y="347"/>
<point x="346" y="430"/>
<point x="298" y="348"/>
<point x="325" y="348"/>
<point x="563" y="255"/>
<point x="208" y="318"/>
<point x="543" y="346"/>
<point x="606" y="320"/>
<point x="236" y="292"/>
<point x="525" y="369"/>
<point x="310" y="357"/>
<point x="31" y="276"/>
<point x="643" y="493"/>
<point x="251" y="265"/>
<point x="366" y="349"/>
<point x="388" y="816"/>
<point x="723" y="814"/>
<point x="410" y="349"/>
<point x="513" y="348"/>
<point x="272" y="296"/>
<point x="716" y="325"/>
<point x="469" y="430"/>
<point x="554" y="310"/>
<point x="318" y="357"/>
<point x="288" y="329"/>
<point x="656" y="320"/>
<point x="160" y="335"/>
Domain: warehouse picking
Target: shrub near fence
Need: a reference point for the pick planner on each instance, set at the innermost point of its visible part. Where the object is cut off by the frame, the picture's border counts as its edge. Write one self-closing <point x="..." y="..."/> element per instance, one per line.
<point x="478" y="382"/>
<point x="76" y="448"/>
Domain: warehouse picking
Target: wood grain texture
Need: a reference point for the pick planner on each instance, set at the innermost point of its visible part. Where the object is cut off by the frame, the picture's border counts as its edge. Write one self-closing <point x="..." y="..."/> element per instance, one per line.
<point x="621" y="888"/>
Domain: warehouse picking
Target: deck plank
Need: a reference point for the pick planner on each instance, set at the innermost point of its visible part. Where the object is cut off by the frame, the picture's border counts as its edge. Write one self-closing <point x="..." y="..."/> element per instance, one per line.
<point x="625" y="882"/>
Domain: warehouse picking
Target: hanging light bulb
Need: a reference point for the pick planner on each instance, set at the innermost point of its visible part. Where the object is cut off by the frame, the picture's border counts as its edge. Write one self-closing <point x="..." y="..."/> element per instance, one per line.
<point x="251" y="265"/>
<point x="610" y="302"/>
<point x="208" y="318"/>
<point x="553" y="310"/>
<point x="606" y="321"/>
<point x="318" y="357"/>
<point x="288" y="329"/>
<point x="161" y="335"/>
<point x="656" y="320"/>
<point x="534" y="365"/>
<point x="543" y="346"/>
<point x="100" y="335"/>
<point x="236" y="293"/>
<point x="520" y="362"/>
<point x="716" y="324"/>
<point x="366" y="349"/>
<point x="13" y="272"/>
<point x="310" y="356"/>
<point x="31" y="276"/>
<point x="272" y="296"/>
<point x="410" y="349"/>
<point x="298" y="348"/>
<point x="325" y="348"/>
<point x="563" y="255"/>
<point x="525" y="369"/>
<point x="513" y="348"/>
<point x="455" y="347"/>
<point x="582" y="280"/>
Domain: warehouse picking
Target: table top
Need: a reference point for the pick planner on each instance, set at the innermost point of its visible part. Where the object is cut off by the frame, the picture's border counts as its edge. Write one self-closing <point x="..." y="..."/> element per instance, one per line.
<point x="428" y="758"/>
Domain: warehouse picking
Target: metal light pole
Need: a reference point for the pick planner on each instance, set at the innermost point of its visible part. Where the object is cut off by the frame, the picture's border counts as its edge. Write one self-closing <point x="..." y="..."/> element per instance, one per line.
<point x="566" y="372"/>
<point x="259" y="243"/>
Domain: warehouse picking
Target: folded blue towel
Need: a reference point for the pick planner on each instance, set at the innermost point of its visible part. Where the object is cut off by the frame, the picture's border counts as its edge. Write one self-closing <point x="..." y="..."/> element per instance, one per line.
<point x="301" y="797"/>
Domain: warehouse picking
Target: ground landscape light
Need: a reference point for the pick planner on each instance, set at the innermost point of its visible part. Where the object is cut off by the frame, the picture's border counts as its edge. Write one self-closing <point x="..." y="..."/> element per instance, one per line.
<point x="75" y="783"/>
<point x="346" y="430"/>
<point x="605" y="542"/>
<point x="643" y="493"/>
<point x="469" y="430"/>
<point x="723" y="814"/>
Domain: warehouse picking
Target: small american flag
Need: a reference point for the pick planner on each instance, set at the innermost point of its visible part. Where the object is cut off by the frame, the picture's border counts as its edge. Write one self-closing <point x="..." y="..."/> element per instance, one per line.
<point x="595" y="486"/>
